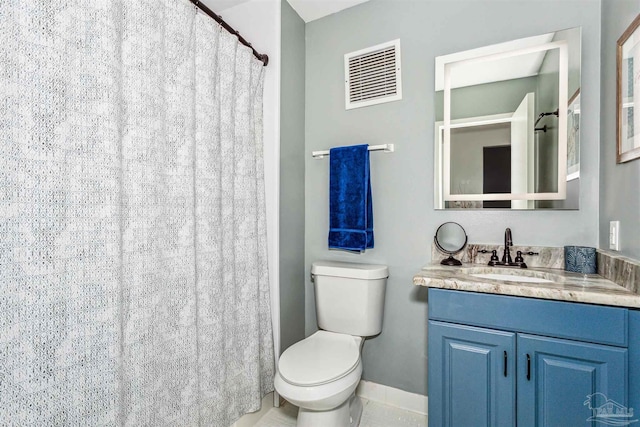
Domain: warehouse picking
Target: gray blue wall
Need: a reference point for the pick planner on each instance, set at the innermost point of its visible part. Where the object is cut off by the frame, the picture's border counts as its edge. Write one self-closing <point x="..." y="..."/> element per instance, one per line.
<point x="292" y="155"/>
<point x="619" y="184"/>
<point x="405" y="219"/>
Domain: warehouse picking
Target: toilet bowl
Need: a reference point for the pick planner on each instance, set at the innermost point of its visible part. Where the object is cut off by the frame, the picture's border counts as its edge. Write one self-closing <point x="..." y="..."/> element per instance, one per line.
<point x="319" y="375"/>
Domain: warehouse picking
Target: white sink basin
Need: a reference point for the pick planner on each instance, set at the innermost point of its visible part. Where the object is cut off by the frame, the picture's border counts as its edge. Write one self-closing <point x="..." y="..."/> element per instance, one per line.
<point x="511" y="277"/>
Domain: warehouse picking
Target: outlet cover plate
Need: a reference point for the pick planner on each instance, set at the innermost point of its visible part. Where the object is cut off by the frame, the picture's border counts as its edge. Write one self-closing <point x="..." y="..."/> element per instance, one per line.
<point x="614" y="235"/>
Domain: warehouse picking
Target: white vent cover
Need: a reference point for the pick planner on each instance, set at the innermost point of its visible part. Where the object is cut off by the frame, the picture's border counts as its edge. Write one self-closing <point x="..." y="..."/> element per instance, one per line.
<point x="372" y="75"/>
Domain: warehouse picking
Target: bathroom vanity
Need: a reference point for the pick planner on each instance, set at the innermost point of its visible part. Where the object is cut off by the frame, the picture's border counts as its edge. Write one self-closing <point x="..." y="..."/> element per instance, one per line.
<point x="515" y="352"/>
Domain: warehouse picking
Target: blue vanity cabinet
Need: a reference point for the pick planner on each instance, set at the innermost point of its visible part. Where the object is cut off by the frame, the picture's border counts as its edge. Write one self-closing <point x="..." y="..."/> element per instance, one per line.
<point x="634" y="361"/>
<point x="471" y="376"/>
<point x="556" y="378"/>
<point x="558" y="354"/>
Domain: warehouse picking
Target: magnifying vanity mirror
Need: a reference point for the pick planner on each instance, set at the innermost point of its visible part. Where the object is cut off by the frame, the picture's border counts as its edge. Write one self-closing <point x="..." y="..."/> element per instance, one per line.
<point x="507" y="125"/>
<point x="450" y="239"/>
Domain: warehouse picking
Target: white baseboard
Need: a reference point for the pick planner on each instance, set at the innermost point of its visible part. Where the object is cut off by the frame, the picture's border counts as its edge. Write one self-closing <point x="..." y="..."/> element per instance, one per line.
<point x="393" y="397"/>
<point x="252" y="419"/>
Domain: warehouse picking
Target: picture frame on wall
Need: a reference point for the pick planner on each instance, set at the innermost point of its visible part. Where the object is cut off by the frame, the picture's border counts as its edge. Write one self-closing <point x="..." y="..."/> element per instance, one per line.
<point x="628" y="94"/>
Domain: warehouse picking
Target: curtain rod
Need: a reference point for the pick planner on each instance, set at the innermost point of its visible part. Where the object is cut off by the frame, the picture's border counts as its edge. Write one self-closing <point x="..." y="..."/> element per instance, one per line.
<point x="261" y="56"/>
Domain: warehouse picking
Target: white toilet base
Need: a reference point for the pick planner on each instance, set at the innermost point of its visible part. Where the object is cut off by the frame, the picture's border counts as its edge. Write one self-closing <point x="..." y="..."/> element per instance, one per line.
<point x="346" y="415"/>
<point x="356" y="410"/>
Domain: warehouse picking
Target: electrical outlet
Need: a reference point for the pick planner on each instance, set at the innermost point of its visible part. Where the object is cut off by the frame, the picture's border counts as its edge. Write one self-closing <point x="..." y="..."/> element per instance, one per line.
<point x="614" y="235"/>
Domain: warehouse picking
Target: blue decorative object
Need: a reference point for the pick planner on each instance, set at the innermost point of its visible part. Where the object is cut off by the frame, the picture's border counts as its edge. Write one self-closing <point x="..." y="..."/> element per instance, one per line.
<point x="350" y="206"/>
<point x="580" y="259"/>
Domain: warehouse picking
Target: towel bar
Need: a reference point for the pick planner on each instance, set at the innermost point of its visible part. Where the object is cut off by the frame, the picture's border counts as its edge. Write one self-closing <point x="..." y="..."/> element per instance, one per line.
<point x="387" y="148"/>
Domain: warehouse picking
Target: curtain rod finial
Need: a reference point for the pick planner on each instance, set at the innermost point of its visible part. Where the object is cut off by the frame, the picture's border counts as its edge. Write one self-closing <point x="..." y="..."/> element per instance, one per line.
<point x="218" y="18"/>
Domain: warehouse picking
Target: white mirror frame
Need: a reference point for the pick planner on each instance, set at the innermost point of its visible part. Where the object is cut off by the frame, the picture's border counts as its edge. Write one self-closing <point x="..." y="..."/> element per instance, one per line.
<point x="445" y="166"/>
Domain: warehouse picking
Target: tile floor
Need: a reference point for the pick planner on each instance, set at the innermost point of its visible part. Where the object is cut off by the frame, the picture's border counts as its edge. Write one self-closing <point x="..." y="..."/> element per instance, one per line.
<point x="374" y="414"/>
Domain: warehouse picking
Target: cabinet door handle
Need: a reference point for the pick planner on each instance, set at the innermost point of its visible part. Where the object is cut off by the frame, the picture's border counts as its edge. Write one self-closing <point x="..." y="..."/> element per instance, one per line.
<point x="505" y="363"/>
<point x="528" y="367"/>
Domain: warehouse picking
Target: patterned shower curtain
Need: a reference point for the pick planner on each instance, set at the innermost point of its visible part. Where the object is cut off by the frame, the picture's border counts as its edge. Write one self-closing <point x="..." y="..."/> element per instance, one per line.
<point x="133" y="268"/>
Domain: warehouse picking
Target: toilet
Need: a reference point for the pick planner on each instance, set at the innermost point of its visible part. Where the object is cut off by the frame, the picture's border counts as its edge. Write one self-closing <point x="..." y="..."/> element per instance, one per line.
<point x="320" y="373"/>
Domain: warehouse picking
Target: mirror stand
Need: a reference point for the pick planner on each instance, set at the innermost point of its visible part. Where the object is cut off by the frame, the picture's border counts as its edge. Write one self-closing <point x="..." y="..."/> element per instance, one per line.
<point x="451" y="261"/>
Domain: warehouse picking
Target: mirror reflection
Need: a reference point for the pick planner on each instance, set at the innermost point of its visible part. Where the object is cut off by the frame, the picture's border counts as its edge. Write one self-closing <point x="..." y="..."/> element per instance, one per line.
<point x="505" y="116"/>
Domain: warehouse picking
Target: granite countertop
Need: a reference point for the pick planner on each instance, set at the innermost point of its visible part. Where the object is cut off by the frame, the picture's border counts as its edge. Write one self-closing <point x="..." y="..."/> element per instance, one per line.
<point x="566" y="286"/>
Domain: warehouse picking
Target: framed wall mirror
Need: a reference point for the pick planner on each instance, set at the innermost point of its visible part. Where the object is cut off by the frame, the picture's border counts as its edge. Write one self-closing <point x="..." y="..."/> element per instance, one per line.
<point x="507" y="125"/>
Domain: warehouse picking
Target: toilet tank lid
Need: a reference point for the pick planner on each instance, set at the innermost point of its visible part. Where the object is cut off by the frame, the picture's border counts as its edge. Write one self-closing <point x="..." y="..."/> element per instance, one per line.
<point x="349" y="270"/>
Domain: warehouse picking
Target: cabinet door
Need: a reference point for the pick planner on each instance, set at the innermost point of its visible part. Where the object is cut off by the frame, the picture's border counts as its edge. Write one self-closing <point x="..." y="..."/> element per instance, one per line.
<point x="557" y="380"/>
<point x="471" y="376"/>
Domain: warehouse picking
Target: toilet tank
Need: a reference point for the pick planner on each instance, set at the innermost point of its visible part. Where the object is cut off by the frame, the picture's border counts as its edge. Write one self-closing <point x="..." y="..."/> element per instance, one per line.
<point x="350" y="296"/>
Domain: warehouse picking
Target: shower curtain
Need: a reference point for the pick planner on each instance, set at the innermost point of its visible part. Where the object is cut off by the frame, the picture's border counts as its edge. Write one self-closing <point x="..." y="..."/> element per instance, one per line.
<point x="133" y="267"/>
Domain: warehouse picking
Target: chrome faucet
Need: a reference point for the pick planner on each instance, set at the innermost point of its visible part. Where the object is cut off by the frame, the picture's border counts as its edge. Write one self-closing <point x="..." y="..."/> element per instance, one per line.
<point x="508" y="242"/>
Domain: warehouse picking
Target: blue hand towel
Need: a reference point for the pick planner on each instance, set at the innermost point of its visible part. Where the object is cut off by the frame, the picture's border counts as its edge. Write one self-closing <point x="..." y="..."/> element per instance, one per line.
<point x="350" y="206"/>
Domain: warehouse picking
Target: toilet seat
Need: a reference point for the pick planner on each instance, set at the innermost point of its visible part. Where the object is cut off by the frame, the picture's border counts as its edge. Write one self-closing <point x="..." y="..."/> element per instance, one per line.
<point x="320" y="359"/>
